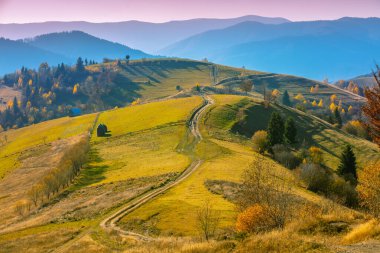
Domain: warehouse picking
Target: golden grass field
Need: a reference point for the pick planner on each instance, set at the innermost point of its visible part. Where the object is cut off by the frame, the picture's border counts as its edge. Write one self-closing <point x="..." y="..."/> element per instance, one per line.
<point x="147" y="146"/>
<point x="25" y="138"/>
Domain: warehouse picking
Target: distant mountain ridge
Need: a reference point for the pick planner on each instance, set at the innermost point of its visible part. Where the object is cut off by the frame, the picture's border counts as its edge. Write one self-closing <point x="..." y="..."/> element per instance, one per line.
<point x="75" y="43"/>
<point x="146" y="36"/>
<point x="336" y="49"/>
<point x="57" y="48"/>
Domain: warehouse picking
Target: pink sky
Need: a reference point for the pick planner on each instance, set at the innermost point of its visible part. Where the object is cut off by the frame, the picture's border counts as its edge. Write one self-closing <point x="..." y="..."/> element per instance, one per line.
<point x="24" y="11"/>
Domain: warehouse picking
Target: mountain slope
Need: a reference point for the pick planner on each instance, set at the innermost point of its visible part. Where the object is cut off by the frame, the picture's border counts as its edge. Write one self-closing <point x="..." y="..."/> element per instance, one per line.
<point x="15" y="54"/>
<point x="75" y="44"/>
<point x="143" y="35"/>
<point x="231" y="44"/>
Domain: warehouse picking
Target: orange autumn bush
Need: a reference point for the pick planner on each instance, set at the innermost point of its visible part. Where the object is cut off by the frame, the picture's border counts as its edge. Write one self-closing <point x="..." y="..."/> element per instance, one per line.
<point x="253" y="219"/>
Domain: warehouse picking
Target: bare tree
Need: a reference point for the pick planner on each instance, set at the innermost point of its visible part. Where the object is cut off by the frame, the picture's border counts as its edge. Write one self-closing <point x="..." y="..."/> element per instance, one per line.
<point x="263" y="186"/>
<point x="246" y="86"/>
<point x="208" y="220"/>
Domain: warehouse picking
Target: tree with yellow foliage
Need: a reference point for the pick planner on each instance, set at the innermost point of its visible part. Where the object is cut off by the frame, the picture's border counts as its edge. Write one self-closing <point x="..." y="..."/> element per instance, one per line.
<point x="75" y="89"/>
<point x="299" y="97"/>
<point x="316" y="155"/>
<point x="320" y="104"/>
<point x="369" y="188"/>
<point x="332" y="107"/>
<point x="275" y="93"/>
<point x="314" y="104"/>
<point x="333" y="98"/>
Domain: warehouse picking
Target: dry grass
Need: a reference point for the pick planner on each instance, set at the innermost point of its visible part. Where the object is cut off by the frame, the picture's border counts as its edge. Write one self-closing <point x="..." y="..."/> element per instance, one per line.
<point x="281" y="242"/>
<point x="141" y="117"/>
<point x="143" y="154"/>
<point x="363" y="232"/>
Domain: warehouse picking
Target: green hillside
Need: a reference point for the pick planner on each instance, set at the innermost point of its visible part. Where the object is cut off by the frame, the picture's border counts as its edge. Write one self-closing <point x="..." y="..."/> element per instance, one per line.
<point x="149" y="146"/>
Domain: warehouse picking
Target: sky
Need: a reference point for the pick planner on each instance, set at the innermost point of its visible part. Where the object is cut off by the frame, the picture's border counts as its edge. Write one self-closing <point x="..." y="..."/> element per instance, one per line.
<point x="26" y="11"/>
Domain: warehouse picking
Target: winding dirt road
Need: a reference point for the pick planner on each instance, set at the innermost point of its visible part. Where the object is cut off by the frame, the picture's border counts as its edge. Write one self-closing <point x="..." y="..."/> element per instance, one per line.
<point x="110" y="223"/>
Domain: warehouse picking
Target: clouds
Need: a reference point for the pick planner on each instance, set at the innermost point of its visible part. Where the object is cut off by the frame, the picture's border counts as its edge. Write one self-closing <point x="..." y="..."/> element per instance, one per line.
<point x="164" y="10"/>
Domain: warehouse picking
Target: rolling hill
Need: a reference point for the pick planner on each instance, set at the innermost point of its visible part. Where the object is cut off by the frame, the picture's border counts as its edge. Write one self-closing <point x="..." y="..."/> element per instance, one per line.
<point x="147" y="148"/>
<point x="338" y="49"/>
<point x="147" y="80"/>
<point x="149" y="37"/>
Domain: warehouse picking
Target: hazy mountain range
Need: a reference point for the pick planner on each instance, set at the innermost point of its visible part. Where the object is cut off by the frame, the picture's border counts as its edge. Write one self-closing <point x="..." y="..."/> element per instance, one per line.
<point x="335" y="49"/>
<point x="149" y="37"/>
<point x="63" y="47"/>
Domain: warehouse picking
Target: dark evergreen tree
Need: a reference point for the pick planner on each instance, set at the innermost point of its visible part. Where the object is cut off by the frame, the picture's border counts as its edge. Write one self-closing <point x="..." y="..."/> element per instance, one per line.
<point x="338" y="118"/>
<point x="286" y="99"/>
<point x="80" y="66"/>
<point x="290" y="133"/>
<point x="275" y="130"/>
<point x="347" y="166"/>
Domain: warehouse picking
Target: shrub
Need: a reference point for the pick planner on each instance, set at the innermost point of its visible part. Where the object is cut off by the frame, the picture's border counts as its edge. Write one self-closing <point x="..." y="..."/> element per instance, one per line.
<point x="285" y="157"/>
<point x="356" y="128"/>
<point x="260" y="141"/>
<point x="316" y="177"/>
<point x="342" y="192"/>
<point x="254" y="219"/>
<point x="316" y="155"/>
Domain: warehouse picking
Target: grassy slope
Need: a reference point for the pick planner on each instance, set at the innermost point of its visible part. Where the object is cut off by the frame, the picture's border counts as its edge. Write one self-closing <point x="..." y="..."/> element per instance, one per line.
<point x="22" y="139"/>
<point x="295" y="85"/>
<point x="158" y="78"/>
<point x="245" y="117"/>
<point x="175" y="211"/>
<point x="145" y="140"/>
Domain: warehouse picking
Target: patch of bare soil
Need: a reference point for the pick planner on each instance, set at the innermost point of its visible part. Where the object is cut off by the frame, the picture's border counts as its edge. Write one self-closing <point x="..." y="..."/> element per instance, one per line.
<point x="35" y="164"/>
<point x="371" y="246"/>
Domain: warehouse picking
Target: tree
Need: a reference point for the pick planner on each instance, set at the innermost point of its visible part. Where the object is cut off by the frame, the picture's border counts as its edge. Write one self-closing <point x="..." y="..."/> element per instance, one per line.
<point x="338" y="118"/>
<point x="246" y="86"/>
<point x="264" y="185"/>
<point x="79" y="67"/>
<point x="290" y="133"/>
<point x="316" y="155"/>
<point x="347" y="166"/>
<point x="275" y="94"/>
<point x="372" y="108"/>
<point x="286" y="99"/>
<point x="275" y="130"/>
<point x="75" y="89"/>
<point x="369" y="188"/>
<point x="260" y="141"/>
<point x="208" y="220"/>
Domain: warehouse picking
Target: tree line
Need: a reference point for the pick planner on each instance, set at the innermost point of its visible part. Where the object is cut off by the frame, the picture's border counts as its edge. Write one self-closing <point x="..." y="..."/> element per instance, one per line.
<point x="59" y="178"/>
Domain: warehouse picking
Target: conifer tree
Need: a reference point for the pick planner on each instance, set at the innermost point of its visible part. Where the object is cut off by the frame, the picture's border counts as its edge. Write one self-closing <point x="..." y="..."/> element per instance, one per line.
<point x="275" y="130"/>
<point x="286" y="99"/>
<point x="338" y="118"/>
<point x="347" y="166"/>
<point x="290" y="133"/>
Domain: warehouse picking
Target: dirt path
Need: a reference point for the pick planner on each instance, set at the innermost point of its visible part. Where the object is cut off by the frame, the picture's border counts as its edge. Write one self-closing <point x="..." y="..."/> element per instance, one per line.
<point x="110" y="223"/>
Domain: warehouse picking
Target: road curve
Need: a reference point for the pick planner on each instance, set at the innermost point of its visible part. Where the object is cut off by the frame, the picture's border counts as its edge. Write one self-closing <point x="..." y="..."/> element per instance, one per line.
<point x="110" y="223"/>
